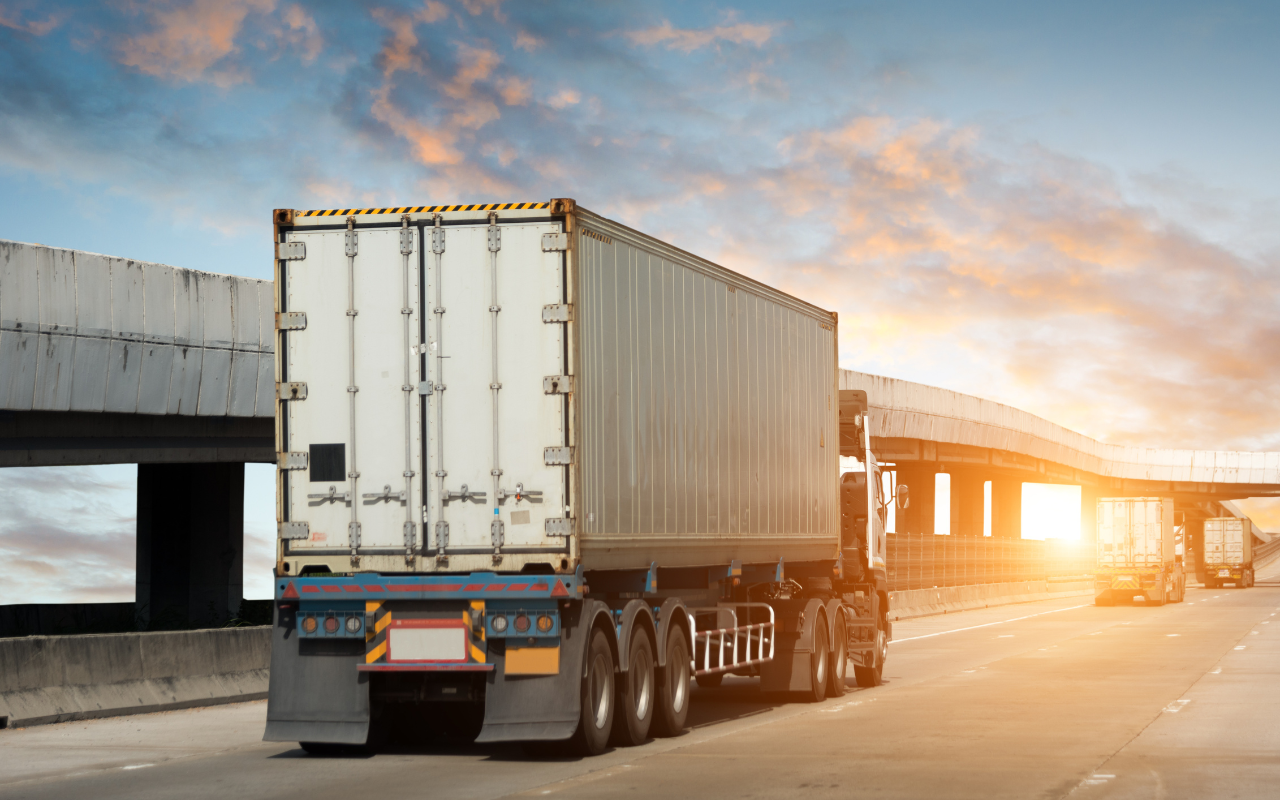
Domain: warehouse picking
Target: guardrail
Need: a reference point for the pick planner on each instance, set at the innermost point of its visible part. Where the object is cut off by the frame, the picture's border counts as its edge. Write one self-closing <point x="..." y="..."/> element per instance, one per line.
<point x="926" y="560"/>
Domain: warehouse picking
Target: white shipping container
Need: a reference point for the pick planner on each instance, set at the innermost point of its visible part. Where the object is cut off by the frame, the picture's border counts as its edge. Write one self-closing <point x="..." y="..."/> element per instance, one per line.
<point x="1228" y="542"/>
<point x="484" y="387"/>
<point x="1135" y="532"/>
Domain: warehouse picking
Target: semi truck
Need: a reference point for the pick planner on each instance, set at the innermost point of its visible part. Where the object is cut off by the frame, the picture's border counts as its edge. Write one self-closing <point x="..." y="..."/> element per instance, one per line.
<point x="541" y="471"/>
<point x="1137" y="552"/>
<point x="1228" y="552"/>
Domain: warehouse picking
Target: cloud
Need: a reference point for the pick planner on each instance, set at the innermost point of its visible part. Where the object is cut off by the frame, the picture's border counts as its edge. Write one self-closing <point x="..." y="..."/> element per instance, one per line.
<point x="198" y="40"/>
<point x="564" y="98"/>
<point x="12" y="16"/>
<point x="687" y="40"/>
<point x="477" y="7"/>
<point x="528" y="42"/>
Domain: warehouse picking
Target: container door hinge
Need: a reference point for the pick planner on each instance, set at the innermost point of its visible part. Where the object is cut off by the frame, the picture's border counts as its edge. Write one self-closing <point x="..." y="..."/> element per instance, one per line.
<point x="293" y="251"/>
<point x="558" y="527"/>
<point x="410" y="538"/>
<point x="406" y="241"/>
<point x="295" y="390"/>
<point x="497" y="533"/>
<point x="426" y="387"/>
<point x="495" y="238"/>
<point x="557" y="456"/>
<point x="559" y="312"/>
<point x="353" y="536"/>
<point x="291" y="321"/>
<point x="557" y="384"/>
<point x="442" y="535"/>
<point x="437" y="240"/>
<point x="293" y="530"/>
<point x="352" y="242"/>
<point x="553" y="242"/>
<point x="293" y="460"/>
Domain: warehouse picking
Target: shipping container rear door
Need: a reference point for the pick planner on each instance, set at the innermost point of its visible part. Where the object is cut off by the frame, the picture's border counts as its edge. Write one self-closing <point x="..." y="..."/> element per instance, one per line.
<point x="351" y="303"/>
<point x="1115" y="547"/>
<point x="496" y="412"/>
<point x="1214" y="534"/>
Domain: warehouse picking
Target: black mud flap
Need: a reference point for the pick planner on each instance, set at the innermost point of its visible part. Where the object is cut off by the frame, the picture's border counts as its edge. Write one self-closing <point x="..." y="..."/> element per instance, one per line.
<point x="539" y="707"/>
<point x="315" y="693"/>
<point x="789" y="669"/>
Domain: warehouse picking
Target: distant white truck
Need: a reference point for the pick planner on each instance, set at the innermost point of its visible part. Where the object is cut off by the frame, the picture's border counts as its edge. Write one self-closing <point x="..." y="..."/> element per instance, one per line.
<point x="1137" y="551"/>
<point x="1228" y="552"/>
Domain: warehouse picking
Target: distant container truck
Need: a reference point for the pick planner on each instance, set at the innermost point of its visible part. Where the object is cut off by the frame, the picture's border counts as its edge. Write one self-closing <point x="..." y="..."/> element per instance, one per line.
<point x="1228" y="552"/>
<point x="1137" y="551"/>
<point x="539" y="470"/>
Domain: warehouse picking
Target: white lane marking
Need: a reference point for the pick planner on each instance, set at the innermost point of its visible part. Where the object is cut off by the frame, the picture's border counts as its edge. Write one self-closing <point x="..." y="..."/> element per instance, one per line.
<point x="1240" y="646"/>
<point x="1095" y="633"/>
<point x="1176" y="706"/>
<point x="1173" y="634"/>
<point x="1266" y="622"/>
<point x="1005" y="636"/>
<point x="138" y="766"/>
<point x="840" y="707"/>
<point x="1215" y="671"/>
<point x="1254" y="633"/>
<point x="985" y="625"/>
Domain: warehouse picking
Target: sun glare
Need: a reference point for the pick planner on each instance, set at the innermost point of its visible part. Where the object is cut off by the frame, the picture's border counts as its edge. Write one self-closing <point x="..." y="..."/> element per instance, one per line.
<point x="1050" y="511"/>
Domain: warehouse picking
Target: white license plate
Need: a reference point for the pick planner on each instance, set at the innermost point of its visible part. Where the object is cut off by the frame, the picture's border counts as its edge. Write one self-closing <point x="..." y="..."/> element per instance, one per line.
<point x="1224" y="573"/>
<point x="427" y="644"/>
<point x="1125" y="578"/>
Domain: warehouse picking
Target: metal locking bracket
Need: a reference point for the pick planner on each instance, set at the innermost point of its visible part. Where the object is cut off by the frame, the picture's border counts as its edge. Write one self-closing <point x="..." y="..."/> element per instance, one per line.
<point x="553" y="242"/>
<point x="294" y="530"/>
<point x="385" y="494"/>
<point x="465" y="494"/>
<point x="292" y="251"/>
<point x="291" y="321"/>
<point x="557" y="456"/>
<point x="557" y="384"/>
<point x="293" y="460"/>
<point x="558" y="526"/>
<point x="557" y="312"/>
<point x="294" y="390"/>
<point x="331" y="496"/>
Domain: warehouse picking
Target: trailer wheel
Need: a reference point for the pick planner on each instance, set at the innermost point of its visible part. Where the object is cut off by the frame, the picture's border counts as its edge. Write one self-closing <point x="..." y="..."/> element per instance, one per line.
<point x="596" y="718"/>
<point x="872" y="676"/>
<point x="636" y="693"/>
<point x="673" y="687"/>
<point x="839" y="661"/>
<point x="819" y="662"/>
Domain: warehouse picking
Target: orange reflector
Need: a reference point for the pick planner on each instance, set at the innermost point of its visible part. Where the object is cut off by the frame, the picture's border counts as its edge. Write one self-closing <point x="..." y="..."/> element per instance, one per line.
<point x="532" y="661"/>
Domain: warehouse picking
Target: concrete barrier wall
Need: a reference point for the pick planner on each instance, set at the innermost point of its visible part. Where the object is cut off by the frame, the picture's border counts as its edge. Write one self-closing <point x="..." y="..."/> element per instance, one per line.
<point x="59" y="678"/>
<point x="943" y="600"/>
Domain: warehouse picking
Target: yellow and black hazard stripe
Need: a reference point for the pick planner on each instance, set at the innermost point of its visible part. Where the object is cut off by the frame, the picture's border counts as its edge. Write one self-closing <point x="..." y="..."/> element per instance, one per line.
<point x="375" y="635"/>
<point x="352" y="212"/>
<point x="475" y="618"/>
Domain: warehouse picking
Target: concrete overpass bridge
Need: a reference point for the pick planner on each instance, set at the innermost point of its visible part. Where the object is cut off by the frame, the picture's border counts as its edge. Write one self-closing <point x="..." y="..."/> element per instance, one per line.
<point x="108" y="360"/>
<point x="924" y="430"/>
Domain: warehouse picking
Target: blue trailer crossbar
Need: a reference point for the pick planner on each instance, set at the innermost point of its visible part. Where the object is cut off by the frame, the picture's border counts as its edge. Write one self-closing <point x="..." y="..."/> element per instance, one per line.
<point x="476" y="585"/>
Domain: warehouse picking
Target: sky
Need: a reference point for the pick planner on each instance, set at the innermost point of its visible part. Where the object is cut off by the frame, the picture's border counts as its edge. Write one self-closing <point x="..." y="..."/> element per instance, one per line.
<point x="1070" y="208"/>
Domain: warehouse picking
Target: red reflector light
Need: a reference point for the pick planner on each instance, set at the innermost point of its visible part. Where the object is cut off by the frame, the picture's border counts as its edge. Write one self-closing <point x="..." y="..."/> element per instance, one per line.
<point x="522" y="624"/>
<point x="330" y="624"/>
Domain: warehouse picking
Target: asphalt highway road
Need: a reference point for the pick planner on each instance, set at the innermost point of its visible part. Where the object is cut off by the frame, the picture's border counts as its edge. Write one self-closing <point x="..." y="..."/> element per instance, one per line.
<point x="1050" y="699"/>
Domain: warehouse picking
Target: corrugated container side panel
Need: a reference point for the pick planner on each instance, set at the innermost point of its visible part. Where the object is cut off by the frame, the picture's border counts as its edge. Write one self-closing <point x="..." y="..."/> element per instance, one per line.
<point x="657" y="397"/>
<point x="627" y="484"/>
<point x="680" y="392"/>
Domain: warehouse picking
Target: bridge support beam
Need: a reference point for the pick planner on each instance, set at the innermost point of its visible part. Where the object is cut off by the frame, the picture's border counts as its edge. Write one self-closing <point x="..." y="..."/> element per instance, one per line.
<point x="190" y="543"/>
<point x="1006" y="507"/>
<point x="923" y="480"/>
<point x="1089" y="514"/>
<point x="968" y="503"/>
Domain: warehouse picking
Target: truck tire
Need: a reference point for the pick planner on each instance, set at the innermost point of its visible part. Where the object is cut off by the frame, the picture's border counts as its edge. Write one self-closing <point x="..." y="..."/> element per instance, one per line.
<point x="868" y="677"/>
<point x="1157" y="597"/>
<point x="595" y="721"/>
<point x="672" y="706"/>
<point x="819" y="661"/>
<point x="838" y="670"/>
<point x="636" y="693"/>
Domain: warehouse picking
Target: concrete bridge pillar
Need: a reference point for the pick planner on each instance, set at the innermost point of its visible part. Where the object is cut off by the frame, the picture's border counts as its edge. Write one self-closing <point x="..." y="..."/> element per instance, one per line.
<point x="190" y="543"/>
<point x="922" y="478"/>
<point x="1006" y="508"/>
<point x="1089" y="514"/>
<point x="968" y="503"/>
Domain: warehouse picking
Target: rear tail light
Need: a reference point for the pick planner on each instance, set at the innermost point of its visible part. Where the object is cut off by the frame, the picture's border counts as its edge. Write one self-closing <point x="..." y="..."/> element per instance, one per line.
<point x="330" y="624"/>
<point x="522" y="624"/>
<point x="499" y="624"/>
<point x="353" y="624"/>
<point x="309" y="625"/>
<point x="544" y="623"/>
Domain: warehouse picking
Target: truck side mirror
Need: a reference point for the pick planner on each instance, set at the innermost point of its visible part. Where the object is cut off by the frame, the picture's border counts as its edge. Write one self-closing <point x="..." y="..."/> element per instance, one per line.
<point x="904" y="496"/>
